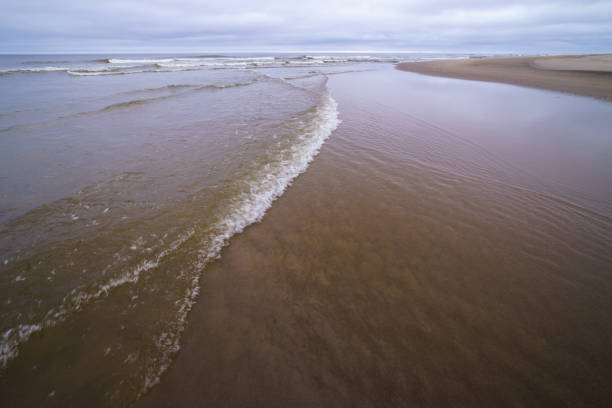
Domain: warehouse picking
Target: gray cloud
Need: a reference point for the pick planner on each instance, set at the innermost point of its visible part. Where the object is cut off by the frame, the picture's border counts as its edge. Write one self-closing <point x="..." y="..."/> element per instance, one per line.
<point x="238" y="25"/>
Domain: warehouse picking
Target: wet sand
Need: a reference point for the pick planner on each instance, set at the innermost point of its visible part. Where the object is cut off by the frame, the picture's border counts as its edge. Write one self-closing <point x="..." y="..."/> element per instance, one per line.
<point x="589" y="75"/>
<point x="409" y="267"/>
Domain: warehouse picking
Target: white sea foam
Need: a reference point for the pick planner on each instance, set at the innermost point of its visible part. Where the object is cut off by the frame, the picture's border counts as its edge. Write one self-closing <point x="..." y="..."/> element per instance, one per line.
<point x="94" y="73"/>
<point x="27" y="70"/>
<point x="139" y="61"/>
<point x="254" y="58"/>
<point x="121" y="66"/>
<point x="306" y="62"/>
<point x="12" y="338"/>
<point x="201" y="64"/>
<point x="76" y="301"/>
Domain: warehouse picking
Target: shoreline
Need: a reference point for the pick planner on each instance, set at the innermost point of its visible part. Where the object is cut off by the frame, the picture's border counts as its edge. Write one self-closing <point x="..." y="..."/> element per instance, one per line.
<point x="586" y="75"/>
<point x="415" y="263"/>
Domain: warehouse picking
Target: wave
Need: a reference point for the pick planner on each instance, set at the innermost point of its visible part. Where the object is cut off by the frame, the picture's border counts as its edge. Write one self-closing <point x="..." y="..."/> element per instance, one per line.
<point x="46" y="62"/>
<point x="93" y="70"/>
<point x="139" y="61"/>
<point x="94" y="73"/>
<point x="251" y="58"/>
<point x="77" y="73"/>
<point x="305" y="62"/>
<point x="171" y="87"/>
<point x="211" y="56"/>
<point x="13" y="127"/>
<point x="249" y="207"/>
<point x="174" y="92"/>
<point x="124" y="66"/>
<point x="32" y="70"/>
<point x="314" y="74"/>
<point x="135" y="102"/>
<point x="201" y="64"/>
<point x="74" y="71"/>
<point x="143" y="101"/>
<point x="116" y="71"/>
<point x="213" y="87"/>
<point x="74" y="302"/>
<point x="259" y="188"/>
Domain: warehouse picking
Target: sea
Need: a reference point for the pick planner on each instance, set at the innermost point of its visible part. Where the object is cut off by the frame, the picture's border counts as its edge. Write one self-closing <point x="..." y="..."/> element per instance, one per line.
<point x="125" y="178"/>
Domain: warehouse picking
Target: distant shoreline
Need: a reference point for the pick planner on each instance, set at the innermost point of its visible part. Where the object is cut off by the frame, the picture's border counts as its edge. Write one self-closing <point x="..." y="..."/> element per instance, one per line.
<point x="587" y="75"/>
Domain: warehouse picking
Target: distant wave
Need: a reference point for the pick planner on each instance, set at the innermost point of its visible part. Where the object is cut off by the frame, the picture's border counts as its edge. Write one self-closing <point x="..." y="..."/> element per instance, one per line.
<point x="127" y="104"/>
<point x="138" y="61"/>
<point x="174" y="89"/>
<point x="85" y="72"/>
<point x="46" y="62"/>
<point x="171" y="87"/>
<point x="143" y="101"/>
<point x="135" y="102"/>
<point x="11" y="128"/>
<point x="125" y="66"/>
<point x="94" y="69"/>
<point x="31" y="70"/>
<point x="211" y="56"/>
<point x="112" y="71"/>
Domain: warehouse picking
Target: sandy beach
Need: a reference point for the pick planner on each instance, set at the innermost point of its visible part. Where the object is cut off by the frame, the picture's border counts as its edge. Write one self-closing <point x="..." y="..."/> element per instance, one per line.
<point x="413" y="264"/>
<point x="588" y="75"/>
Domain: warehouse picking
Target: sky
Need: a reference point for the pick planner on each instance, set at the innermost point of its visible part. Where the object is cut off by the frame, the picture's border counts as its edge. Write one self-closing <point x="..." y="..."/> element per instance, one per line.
<point x="97" y="26"/>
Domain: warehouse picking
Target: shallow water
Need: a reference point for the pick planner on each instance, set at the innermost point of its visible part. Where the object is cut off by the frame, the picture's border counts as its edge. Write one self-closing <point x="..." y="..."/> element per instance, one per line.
<point x="115" y="194"/>
<point x="445" y="225"/>
<point x="418" y="262"/>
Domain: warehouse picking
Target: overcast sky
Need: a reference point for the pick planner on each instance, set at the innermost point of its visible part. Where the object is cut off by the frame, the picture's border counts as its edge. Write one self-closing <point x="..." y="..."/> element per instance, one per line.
<point x="543" y="26"/>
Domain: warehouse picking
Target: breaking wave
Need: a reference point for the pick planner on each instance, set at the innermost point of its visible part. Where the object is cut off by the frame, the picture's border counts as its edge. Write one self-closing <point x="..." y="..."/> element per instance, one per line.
<point x="258" y="189"/>
<point x="248" y="207"/>
<point x="190" y="88"/>
<point x="32" y="70"/>
<point x="123" y="66"/>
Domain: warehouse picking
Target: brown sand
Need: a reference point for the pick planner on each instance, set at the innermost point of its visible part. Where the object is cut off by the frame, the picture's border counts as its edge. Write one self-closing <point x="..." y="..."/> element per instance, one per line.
<point x="589" y="75"/>
<point x="375" y="281"/>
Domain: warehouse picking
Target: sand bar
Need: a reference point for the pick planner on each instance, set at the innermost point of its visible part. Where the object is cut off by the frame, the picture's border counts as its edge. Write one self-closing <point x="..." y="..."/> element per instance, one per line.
<point x="588" y="75"/>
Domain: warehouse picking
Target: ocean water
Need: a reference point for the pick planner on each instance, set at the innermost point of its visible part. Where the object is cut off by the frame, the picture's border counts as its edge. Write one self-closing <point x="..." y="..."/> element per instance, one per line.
<point x="123" y="179"/>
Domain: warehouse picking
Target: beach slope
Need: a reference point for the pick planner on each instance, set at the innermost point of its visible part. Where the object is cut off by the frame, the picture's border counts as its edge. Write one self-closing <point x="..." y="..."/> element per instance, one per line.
<point x="588" y="75"/>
